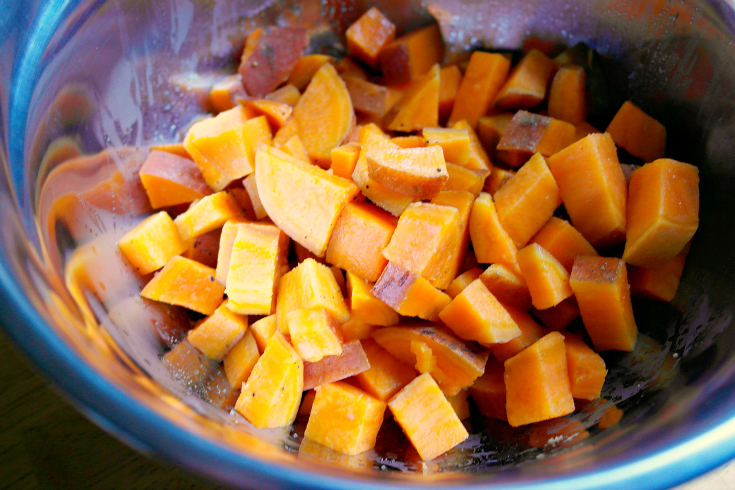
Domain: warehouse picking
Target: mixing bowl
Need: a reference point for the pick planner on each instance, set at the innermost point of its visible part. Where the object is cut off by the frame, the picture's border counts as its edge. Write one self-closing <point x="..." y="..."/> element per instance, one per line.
<point x="84" y="83"/>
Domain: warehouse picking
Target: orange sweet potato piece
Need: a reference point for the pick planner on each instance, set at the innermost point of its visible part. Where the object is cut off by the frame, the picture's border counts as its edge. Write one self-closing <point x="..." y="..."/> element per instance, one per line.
<point x="465" y="179"/>
<point x="560" y="316"/>
<point x="410" y="141"/>
<point x="478" y="158"/>
<point x="419" y="106"/>
<point x="460" y="404"/>
<point x="218" y="391"/>
<point x="563" y="241"/>
<point x="367" y="37"/>
<point x="663" y="212"/>
<point x="169" y="180"/>
<point x="255" y="267"/>
<point x="497" y="179"/>
<point x="534" y="133"/>
<point x="359" y="237"/>
<point x="239" y="362"/>
<point x="568" y="95"/>
<point x="386" y="376"/>
<point x="344" y="159"/>
<point x="586" y="368"/>
<point x="537" y="382"/>
<point x="488" y="391"/>
<point x="491" y="242"/>
<point x="600" y="285"/>
<point x="367" y="98"/>
<point x="224" y="94"/>
<point x="152" y="243"/>
<point x="462" y="201"/>
<point x="546" y="278"/>
<point x="226" y="240"/>
<point x="640" y="134"/>
<point x="483" y="78"/>
<point x="409" y="294"/>
<point x="353" y="361"/>
<point x="462" y="281"/>
<point x="188" y="365"/>
<point x="314" y="333"/>
<point x="205" y="248"/>
<point x="344" y="418"/>
<point x="527" y="201"/>
<point x="527" y="82"/>
<point x="365" y="307"/>
<point x="207" y="214"/>
<point x="287" y="94"/>
<point x="427" y="418"/>
<point x="275" y="112"/>
<point x="417" y="172"/>
<point x="305" y="68"/>
<point x="490" y="129"/>
<point x="455" y="143"/>
<point x="186" y="283"/>
<point x="507" y="285"/>
<point x="357" y="330"/>
<point x="450" y="78"/>
<point x="530" y="333"/>
<point x="302" y="200"/>
<point x="660" y="282"/>
<point x="218" y="333"/>
<point x="271" y="396"/>
<point x="410" y="56"/>
<point x="262" y="330"/>
<point x="322" y="118"/>
<point x="593" y="189"/>
<point x="269" y="56"/>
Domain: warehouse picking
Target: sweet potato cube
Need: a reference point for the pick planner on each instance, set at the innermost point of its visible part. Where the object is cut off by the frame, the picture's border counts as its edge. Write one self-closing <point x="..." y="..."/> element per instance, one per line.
<point x="152" y="243"/>
<point x="457" y="364"/>
<point x="310" y="285"/>
<point x="275" y="112"/>
<point x="462" y="281"/>
<point x="526" y="84"/>
<point x="251" y="188"/>
<point x="314" y="333"/>
<point x="491" y="242"/>
<point x="353" y="361"/>
<point x="224" y="94"/>
<point x="367" y="37"/>
<point x="488" y="391"/>
<point x="490" y="129"/>
<point x="568" y="95"/>
<point x="455" y="143"/>
<point x="269" y="56"/>
<point x="427" y="418"/>
<point x="534" y="133"/>
<point x="663" y="212"/>
<point x="218" y="391"/>
<point x="600" y="285"/>
<point x="497" y="179"/>
<point x="530" y="333"/>
<point x="450" y="78"/>
<point x="386" y="376"/>
<point x="462" y="201"/>
<point x="475" y="314"/>
<point x="239" y="362"/>
<point x="169" y="180"/>
<point x="224" y="253"/>
<point x="302" y="200"/>
<point x="344" y="160"/>
<point x="288" y="94"/>
<point x="527" y="201"/>
<point x="205" y="248"/>
<point x="563" y="241"/>
<point x="263" y="330"/>
<point x="537" y="382"/>
<point x="660" y="282"/>
<point x="271" y="396"/>
<point x="258" y="254"/>
<point x="478" y="158"/>
<point x="322" y="118"/>
<point x="465" y="179"/>
<point x="218" y="333"/>
<point x="412" y="55"/>
<point x="305" y="68"/>
<point x="483" y="78"/>
<point x="417" y="172"/>
<point x="419" y="106"/>
<point x="345" y="418"/>
<point x="367" y="98"/>
<point x="355" y="329"/>
<point x="546" y="278"/>
<point x="640" y="134"/>
<point x="593" y="189"/>
<point x="365" y="307"/>
<point x="410" y="141"/>
<point x="586" y="368"/>
<point x="507" y="285"/>
<point x="460" y="404"/>
<point x="188" y="365"/>
<point x="409" y="294"/>
<point x="207" y="214"/>
<point x="186" y="283"/>
<point x="560" y="316"/>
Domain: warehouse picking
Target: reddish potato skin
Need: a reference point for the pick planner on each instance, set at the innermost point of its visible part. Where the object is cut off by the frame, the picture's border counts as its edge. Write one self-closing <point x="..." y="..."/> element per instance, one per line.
<point x="270" y="55"/>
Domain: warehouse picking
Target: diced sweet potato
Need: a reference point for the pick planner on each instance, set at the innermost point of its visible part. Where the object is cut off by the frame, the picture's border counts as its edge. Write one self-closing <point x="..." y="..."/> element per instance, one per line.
<point x="586" y="368"/>
<point x="263" y="330"/>
<point x="207" y="214"/>
<point x="568" y="95"/>
<point x="218" y="391"/>
<point x="640" y="134"/>
<point x="462" y="281"/>
<point x="344" y="160"/>
<point x="367" y="37"/>
<point x="205" y="248"/>
<point x="475" y="314"/>
<point x="218" y="333"/>
<point x="497" y="179"/>
<point x="386" y="376"/>
<point x="488" y="391"/>
<point x="530" y="333"/>
<point x="170" y="180"/>
<point x="287" y="94"/>
<point x="483" y="78"/>
<point x="345" y="418"/>
<point x="365" y="307"/>
<point x="560" y="316"/>
<point x="527" y="82"/>
<point x="546" y="278"/>
<point x="457" y="363"/>
<point x="226" y="240"/>
<point x="491" y="242"/>
<point x="186" y="283"/>
<point x="151" y="243"/>
<point x="460" y="404"/>
<point x="302" y="200"/>
<point x="534" y="133"/>
<point x="239" y="362"/>
<point x="409" y="294"/>
<point x="663" y="212"/>
<point x="537" y="382"/>
<point x="367" y="98"/>
<point x="427" y="418"/>
<point x="464" y="179"/>
<point x="490" y="129"/>
<point x="462" y="201"/>
<point x="660" y="282"/>
<point x="416" y="172"/>
<point x="322" y="118"/>
<point x="563" y="241"/>
<point x="275" y="112"/>
<point x="188" y="365"/>
<point x="419" y="106"/>
<point x="412" y="55"/>
<point x="507" y="285"/>
<point x="478" y="158"/>
<point x="314" y="333"/>
<point x="455" y="143"/>
<point x="357" y="330"/>
<point x="600" y="285"/>
<point x="270" y="397"/>
<point x="410" y="141"/>
<point x="305" y="68"/>
<point x="450" y="78"/>
<point x="224" y="94"/>
<point x="269" y="56"/>
<point x="353" y="361"/>
<point x="593" y="189"/>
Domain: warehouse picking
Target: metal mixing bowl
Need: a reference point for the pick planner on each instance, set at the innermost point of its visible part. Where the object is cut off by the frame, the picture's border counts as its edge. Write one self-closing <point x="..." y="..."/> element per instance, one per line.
<point x="93" y="77"/>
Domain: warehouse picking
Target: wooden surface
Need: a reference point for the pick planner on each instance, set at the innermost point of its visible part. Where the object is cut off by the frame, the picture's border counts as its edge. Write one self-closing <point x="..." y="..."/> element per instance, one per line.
<point x="47" y="444"/>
